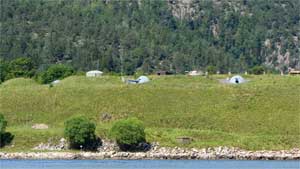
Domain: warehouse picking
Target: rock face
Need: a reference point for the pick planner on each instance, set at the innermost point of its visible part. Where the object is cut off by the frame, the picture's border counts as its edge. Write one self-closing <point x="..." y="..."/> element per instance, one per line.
<point x="182" y="8"/>
<point x="109" y="150"/>
<point x="108" y="146"/>
<point x="50" y="146"/>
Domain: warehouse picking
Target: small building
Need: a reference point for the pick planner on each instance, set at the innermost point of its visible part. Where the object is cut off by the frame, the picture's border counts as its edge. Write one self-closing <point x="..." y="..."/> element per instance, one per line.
<point x="195" y="73"/>
<point x="294" y="72"/>
<point x="161" y="72"/>
<point x="94" y="73"/>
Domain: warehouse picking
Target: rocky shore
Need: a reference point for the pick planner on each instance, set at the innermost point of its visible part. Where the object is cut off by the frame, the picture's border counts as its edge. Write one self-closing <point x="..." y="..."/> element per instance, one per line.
<point x="163" y="153"/>
<point x="108" y="151"/>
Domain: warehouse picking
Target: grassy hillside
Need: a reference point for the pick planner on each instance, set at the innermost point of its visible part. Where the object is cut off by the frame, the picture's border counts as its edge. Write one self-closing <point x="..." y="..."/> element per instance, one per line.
<point x="261" y="114"/>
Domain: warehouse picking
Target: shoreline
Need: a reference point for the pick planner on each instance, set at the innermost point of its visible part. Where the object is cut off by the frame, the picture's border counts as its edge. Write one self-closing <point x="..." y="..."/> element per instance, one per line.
<point x="163" y="153"/>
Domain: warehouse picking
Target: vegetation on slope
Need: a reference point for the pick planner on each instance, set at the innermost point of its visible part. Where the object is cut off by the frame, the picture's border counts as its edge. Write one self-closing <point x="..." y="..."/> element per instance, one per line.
<point x="261" y="114"/>
<point x="232" y="35"/>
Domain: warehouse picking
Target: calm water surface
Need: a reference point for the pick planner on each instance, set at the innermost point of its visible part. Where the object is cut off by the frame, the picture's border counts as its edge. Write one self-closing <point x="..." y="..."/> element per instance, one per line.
<point x="146" y="164"/>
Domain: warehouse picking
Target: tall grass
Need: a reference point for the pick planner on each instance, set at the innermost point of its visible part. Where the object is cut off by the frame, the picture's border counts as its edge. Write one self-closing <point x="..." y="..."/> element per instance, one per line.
<point x="261" y="114"/>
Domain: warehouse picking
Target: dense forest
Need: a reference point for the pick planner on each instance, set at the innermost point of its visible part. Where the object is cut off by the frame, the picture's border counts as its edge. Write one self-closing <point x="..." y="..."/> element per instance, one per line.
<point x="126" y="36"/>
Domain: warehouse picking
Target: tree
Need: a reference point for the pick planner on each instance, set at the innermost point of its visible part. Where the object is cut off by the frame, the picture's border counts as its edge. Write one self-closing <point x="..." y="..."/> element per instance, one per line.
<point x="148" y="33"/>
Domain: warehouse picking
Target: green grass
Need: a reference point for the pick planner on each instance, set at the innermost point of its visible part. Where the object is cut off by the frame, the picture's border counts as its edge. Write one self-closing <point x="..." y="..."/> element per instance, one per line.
<point x="261" y="114"/>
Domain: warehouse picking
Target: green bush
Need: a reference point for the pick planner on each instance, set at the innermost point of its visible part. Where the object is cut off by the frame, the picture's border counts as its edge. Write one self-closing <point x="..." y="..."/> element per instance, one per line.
<point x="80" y="132"/>
<point x="257" y="70"/>
<point x="211" y="69"/>
<point x="129" y="134"/>
<point x="21" y="67"/>
<point x="55" y="72"/>
<point x="3" y="124"/>
<point x="5" y="137"/>
<point x="3" y="70"/>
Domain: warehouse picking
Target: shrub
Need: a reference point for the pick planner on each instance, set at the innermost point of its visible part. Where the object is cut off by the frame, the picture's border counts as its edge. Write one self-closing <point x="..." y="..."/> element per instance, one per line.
<point x="257" y="70"/>
<point x="3" y="124"/>
<point x="81" y="133"/>
<point x="55" y="72"/>
<point x="21" y="67"/>
<point x="5" y="137"/>
<point x="129" y="134"/>
<point x="211" y="69"/>
<point x="3" y="70"/>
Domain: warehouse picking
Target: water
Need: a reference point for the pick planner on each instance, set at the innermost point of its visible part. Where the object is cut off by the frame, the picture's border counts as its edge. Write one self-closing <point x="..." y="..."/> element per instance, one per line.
<point x="146" y="164"/>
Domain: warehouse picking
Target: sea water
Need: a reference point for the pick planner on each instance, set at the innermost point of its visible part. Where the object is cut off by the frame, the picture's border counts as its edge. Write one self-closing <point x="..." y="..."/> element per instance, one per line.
<point x="147" y="164"/>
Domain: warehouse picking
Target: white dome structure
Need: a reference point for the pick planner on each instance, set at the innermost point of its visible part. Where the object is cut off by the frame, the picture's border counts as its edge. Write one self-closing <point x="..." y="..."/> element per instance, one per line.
<point x="140" y="80"/>
<point x="94" y="73"/>
<point x="143" y="79"/>
<point x="55" y="82"/>
<point x="237" y="79"/>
